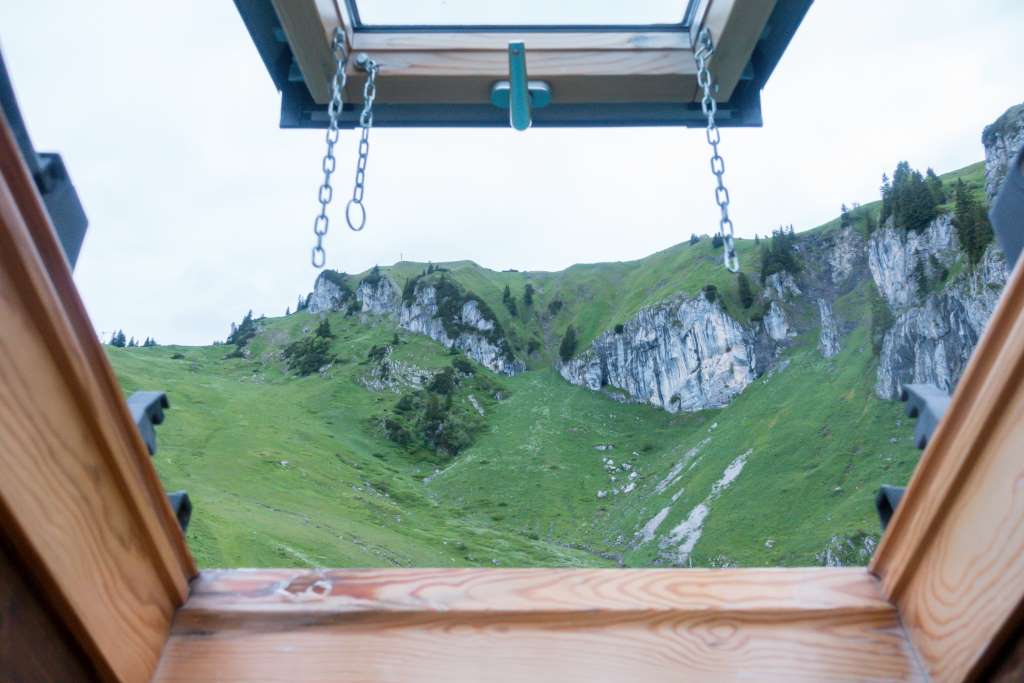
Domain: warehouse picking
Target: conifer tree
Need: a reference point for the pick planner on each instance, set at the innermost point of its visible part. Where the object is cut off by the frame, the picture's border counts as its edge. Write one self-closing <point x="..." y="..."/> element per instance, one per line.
<point x="972" y="226"/>
<point x="886" y="191"/>
<point x="242" y="333"/>
<point x="374" y="276"/>
<point x="716" y="241"/>
<point x="509" y="301"/>
<point x="935" y="186"/>
<point x="118" y="339"/>
<point x="528" y="294"/>
<point x="909" y="200"/>
<point x="780" y="254"/>
<point x="745" y="292"/>
<point x="693" y="238"/>
<point x="567" y="348"/>
<point x="844" y="217"/>
<point x="324" y="329"/>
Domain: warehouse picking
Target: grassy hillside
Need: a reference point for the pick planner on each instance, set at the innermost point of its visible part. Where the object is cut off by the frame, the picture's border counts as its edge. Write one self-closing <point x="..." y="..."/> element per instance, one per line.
<point x="286" y="470"/>
<point x="297" y="471"/>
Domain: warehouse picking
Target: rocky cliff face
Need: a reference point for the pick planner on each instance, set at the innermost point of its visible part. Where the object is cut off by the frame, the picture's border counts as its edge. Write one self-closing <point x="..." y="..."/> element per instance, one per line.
<point x="688" y="354"/>
<point x="846" y="255"/>
<point x="379" y="297"/>
<point x="828" y="339"/>
<point x="775" y="324"/>
<point x="681" y="355"/>
<point x="1002" y="140"/>
<point x="472" y="328"/>
<point x="931" y="340"/>
<point x="893" y="255"/>
<point x="330" y="293"/>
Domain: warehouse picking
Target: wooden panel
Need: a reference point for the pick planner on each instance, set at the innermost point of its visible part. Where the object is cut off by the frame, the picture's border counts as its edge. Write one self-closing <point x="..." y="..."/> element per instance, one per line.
<point x="79" y="497"/>
<point x="498" y="40"/>
<point x="309" y="26"/>
<point x="735" y="27"/>
<point x="582" y="67"/>
<point x="537" y="625"/>
<point x="35" y="647"/>
<point x="953" y="556"/>
<point x="575" y="76"/>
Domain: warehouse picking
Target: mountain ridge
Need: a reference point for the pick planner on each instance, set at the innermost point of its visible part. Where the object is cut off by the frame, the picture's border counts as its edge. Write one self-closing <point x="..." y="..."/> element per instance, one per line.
<point x="387" y="446"/>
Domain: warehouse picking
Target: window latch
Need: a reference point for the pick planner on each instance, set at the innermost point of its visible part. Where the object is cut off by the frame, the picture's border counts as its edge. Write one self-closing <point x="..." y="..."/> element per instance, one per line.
<point x="518" y="94"/>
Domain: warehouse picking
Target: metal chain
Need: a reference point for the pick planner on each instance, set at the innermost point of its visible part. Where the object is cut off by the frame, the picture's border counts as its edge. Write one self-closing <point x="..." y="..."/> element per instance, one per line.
<point x="326" y="193"/>
<point x="706" y="48"/>
<point x="365" y="122"/>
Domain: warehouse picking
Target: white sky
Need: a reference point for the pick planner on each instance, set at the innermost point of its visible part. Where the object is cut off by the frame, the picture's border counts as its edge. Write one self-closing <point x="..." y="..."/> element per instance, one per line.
<point x="201" y="208"/>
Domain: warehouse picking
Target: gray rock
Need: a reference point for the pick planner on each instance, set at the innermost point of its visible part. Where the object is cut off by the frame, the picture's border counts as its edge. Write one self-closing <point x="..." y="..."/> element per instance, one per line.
<point x="395" y="376"/>
<point x="932" y="343"/>
<point x="474" y="339"/>
<point x="846" y="253"/>
<point x="775" y="324"/>
<point x="781" y="287"/>
<point x="828" y="341"/>
<point x="681" y="355"/>
<point x="847" y="551"/>
<point x="893" y="254"/>
<point x="1002" y="140"/>
<point x="379" y="298"/>
<point x="327" y="296"/>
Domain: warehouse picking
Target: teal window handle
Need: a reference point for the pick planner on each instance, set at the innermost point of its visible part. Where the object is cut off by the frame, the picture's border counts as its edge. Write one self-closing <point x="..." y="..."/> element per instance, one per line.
<point x="518" y="93"/>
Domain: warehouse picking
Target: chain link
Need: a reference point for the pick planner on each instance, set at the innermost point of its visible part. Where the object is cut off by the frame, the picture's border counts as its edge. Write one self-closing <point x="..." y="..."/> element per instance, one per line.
<point x="706" y="48"/>
<point x="326" y="192"/>
<point x="365" y="122"/>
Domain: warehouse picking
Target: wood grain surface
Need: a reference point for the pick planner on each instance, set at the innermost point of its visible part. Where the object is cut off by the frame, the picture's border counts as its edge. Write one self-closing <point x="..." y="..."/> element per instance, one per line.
<point x="952" y="558"/>
<point x="79" y="499"/>
<point x="309" y="27"/>
<point x="537" y="625"/>
<point x="581" y="66"/>
<point x="499" y="40"/>
<point x="35" y="645"/>
<point x="735" y="26"/>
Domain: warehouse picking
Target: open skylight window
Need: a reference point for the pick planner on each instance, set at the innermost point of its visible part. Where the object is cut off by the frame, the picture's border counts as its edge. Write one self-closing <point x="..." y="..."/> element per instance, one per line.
<point x="598" y="62"/>
<point x="523" y="14"/>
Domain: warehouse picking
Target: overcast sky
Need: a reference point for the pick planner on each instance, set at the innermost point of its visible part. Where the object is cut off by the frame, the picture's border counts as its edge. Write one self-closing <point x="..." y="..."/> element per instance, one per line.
<point x="201" y="208"/>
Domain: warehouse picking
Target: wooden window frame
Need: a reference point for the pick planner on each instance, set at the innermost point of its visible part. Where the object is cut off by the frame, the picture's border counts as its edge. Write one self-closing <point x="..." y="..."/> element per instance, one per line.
<point x="80" y="502"/>
<point x="606" y="77"/>
<point x="83" y="510"/>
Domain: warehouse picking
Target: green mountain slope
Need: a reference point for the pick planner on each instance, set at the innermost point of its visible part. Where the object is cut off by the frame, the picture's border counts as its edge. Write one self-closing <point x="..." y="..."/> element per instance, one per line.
<point x="299" y="471"/>
<point x="285" y="471"/>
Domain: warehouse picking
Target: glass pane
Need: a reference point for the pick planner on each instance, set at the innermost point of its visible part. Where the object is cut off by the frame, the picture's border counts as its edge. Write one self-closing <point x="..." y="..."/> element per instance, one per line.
<point x="527" y="13"/>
